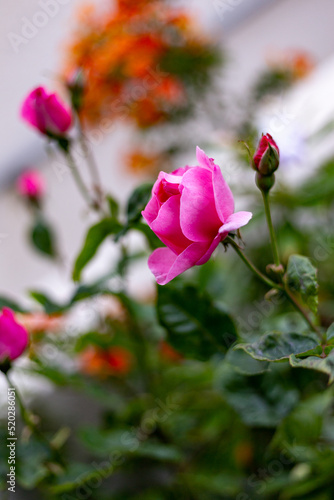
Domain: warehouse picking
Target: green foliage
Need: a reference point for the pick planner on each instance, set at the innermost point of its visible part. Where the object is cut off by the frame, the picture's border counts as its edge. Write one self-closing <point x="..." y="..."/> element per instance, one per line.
<point x="113" y="207"/>
<point x="217" y="418"/>
<point x="95" y="237"/>
<point x="261" y="400"/>
<point x="12" y="304"/>
<point x="302" y="278"/>
<point x="196" y="326"/>
<point x="42" y="238"/>
<point x="321" y="364"/>
<point x="277" y="346"/>
<point x="137" y="202"/>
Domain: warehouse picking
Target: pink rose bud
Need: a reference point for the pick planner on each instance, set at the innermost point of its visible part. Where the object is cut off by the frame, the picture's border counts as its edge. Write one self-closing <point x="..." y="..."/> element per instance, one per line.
<point x="30" y="184"/>
<point x="266" y="158"/>
<point x="191" y="211"/>
<point x="13" y="336"/>
<point x="46" y="112"/>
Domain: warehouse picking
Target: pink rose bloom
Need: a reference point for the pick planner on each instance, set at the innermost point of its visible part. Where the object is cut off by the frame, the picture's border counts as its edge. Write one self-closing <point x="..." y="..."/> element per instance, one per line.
<point x="13" y="337"/>
<point x="46" y="112"/>
<point x="191" y="211"/>
<point x="30" y="184"/>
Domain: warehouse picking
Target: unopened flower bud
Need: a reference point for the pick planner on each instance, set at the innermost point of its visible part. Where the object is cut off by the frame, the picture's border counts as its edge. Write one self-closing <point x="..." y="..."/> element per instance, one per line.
<point x="46" y="112"/>
<point x="76" y="87"/>
<point x="265" y="182"/>
<point x="266" y="158"/>
<point x="31" y="185"/>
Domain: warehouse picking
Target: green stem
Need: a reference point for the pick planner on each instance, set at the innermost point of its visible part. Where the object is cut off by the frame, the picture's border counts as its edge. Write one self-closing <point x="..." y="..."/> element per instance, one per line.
<point x="265" y="195"/>
<point x="90" y="161"/>
<point x="78" y="179"/>
<point x="272" y="284"/>
<point x="251" y="266"/>
<point x="24" y="413"/>
<point x="299" y="308"/>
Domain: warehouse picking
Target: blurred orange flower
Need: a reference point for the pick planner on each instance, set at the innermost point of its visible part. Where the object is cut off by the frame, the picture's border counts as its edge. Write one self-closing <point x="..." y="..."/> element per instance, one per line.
<point x="297" y="62"/>
<point x="137" y="61"/>
<point x="169" y="353"/>
<point x="138" y="161"/>
<point x="106" y="362"/>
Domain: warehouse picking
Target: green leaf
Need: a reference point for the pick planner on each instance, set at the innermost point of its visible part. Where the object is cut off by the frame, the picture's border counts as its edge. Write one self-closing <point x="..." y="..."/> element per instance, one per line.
<point x="302" y="277"/>
<point x="137" y="202"/>
<point x="324" y="365"/>
<point x="244" y="364"/>
<point x="95" y="237"/>
<point x="42" y="238"/>
<point x="276" y="346"/>
<point x="330" y="334"/>
<point x="303" y="426"/>
<point x="49" y="306"/>
<point x="125" y="441"/>
<point x="113" y="206"/>
<point x="78" y="475"/>
<point x="6" y="302"/>
<point x="196" y="326"/>
<point x="261" y="400"/>
<point x="32" y="456"/>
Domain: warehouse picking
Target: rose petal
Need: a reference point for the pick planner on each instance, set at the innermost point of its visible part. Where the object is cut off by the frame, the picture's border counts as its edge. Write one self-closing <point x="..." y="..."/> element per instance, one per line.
<point x="235" y="221"/>
<point x="198" y="216"/>
<point x="203" y="159"/>
<point x="58" y="117"/>
<point x="210" y="250"/>
<point x="222" y="193"/>
<point x="28" y="110"/>
<point x="13" y="337"/>
<point x="166" y="186"/>
<point x="166" y="265"/>
<point x="150" y="213"/>
<point x="167" y="225"/>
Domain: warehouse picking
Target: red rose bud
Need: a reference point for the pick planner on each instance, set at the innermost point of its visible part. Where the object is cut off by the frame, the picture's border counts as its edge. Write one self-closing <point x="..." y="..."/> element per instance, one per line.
<point x="266" y="158"/>
<point x="30" y="184"/>
<point x="46" y="112"/>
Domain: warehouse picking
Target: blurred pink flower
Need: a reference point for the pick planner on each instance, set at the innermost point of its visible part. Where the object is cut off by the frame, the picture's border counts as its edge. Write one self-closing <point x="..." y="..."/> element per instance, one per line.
<point x="30" y="184"/>
<point x="191" y="211"/>
<point x="46" y="112"/>
<point x="13" y="336"/>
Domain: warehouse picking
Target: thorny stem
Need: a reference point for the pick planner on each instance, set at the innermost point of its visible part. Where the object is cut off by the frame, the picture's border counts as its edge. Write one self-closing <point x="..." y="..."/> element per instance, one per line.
<point x="250" y="265"/>
<point x="272" y="284"/>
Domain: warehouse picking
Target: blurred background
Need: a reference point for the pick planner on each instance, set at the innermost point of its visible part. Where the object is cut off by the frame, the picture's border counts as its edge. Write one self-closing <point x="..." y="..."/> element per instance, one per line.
<point x="220" y="71"/>
<point x="250" y="34"/>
